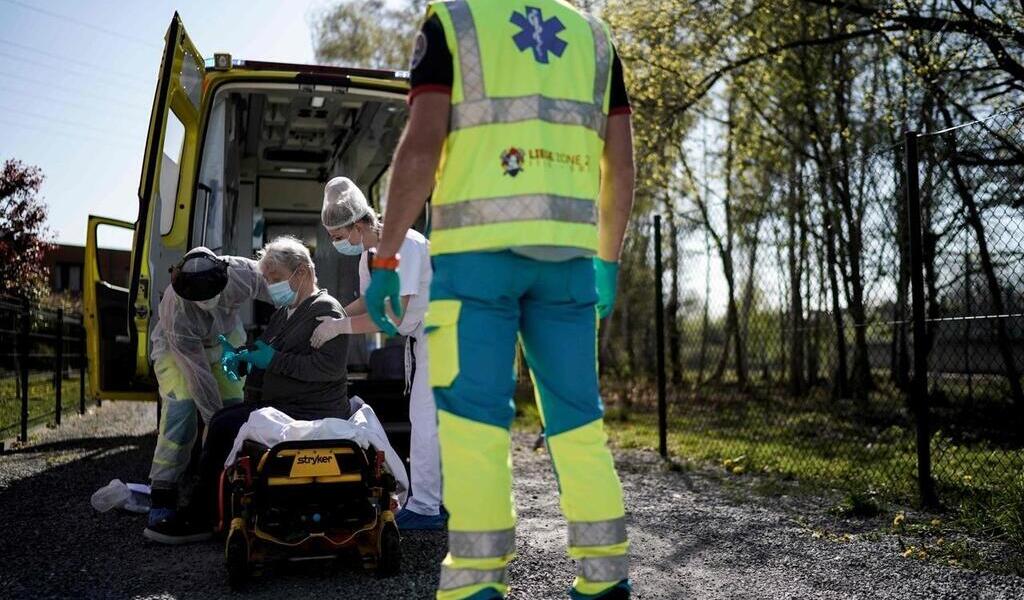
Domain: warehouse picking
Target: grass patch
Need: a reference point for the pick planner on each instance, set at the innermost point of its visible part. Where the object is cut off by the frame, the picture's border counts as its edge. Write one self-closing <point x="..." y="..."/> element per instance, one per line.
<point x="41" y="401"/>
<point x="858" y="505"/>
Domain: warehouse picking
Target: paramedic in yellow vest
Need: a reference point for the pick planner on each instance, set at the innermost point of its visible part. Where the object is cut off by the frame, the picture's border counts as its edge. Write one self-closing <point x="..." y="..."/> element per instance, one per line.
<point x="519" y="121"/>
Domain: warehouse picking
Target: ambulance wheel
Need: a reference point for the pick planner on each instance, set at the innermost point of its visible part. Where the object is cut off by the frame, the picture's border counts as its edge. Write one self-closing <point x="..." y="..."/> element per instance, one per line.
<point x="390" y="561"/>
<point x="236" y="559"/>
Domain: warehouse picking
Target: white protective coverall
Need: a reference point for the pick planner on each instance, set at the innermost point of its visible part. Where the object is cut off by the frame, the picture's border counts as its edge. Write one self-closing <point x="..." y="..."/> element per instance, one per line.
<point x="186" y="356"/>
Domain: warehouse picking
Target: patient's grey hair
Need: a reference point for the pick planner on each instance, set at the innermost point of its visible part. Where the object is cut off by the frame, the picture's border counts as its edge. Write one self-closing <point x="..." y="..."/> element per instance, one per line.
<point x="288" y="253"/>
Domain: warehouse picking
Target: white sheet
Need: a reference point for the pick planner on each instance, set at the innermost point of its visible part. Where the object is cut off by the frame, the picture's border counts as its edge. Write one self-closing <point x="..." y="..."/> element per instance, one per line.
<point x="270" y="426"/>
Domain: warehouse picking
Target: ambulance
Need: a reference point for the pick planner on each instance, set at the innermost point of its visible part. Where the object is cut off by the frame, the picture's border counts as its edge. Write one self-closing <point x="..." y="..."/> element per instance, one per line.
<point x="237" y="153"/>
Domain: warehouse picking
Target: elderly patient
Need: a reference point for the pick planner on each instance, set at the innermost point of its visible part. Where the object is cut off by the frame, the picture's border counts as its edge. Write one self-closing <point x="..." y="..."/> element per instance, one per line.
<point x="286" y="373"/>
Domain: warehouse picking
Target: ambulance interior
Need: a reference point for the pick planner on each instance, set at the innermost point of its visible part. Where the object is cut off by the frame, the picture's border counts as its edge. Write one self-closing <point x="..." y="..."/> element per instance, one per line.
<point x="266" y="153"/>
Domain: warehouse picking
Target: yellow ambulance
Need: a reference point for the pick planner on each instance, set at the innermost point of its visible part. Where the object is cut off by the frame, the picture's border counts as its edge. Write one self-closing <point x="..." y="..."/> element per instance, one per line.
<point x="237" y="153"/>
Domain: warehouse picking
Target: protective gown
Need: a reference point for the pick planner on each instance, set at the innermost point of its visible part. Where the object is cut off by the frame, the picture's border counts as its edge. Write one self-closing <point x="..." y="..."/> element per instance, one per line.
<point x="186" y="355"/>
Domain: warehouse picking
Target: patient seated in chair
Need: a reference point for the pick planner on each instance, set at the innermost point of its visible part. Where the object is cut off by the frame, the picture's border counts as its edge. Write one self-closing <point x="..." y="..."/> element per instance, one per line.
<point x="284" y="371"/>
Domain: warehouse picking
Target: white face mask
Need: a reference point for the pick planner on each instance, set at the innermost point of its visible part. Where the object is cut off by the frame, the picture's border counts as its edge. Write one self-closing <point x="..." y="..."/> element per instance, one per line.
<point x="208" y="305"/>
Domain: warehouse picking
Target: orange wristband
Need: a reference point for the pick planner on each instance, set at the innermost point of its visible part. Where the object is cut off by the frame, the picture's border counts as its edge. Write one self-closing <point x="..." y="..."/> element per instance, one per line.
<point x="390" y="264"/>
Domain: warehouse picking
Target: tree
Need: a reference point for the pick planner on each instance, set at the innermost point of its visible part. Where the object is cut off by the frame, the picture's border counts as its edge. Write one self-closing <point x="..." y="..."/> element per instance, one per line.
<point x="23" y="232"/>
<point x="367" y="34"/>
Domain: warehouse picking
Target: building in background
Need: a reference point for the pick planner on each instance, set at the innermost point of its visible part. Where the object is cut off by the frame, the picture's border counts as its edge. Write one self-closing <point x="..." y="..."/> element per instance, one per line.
<point x="67" y="266"/>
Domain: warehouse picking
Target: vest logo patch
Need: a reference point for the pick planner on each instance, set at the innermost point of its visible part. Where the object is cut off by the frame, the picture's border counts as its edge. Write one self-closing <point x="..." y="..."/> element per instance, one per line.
<point x="538" y="34"/>
<point x="512" y="161"/>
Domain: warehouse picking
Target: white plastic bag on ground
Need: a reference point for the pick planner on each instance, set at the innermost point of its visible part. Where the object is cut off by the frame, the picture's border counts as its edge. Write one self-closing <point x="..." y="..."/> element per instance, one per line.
<point x="113" y="495"/>
<point x="133" y="497"/>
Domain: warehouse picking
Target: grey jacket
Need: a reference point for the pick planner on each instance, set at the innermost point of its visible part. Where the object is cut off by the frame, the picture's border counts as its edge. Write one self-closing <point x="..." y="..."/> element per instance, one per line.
<point x="300" y="381"/>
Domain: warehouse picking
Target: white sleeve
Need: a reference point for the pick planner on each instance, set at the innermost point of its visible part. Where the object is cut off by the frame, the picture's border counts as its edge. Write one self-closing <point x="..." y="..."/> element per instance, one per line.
<point x="409" y="273"/>
<point x="364" y="274"/>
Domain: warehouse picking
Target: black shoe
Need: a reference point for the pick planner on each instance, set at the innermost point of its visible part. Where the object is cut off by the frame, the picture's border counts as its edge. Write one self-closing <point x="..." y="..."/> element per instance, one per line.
<point x="174" y="528"/>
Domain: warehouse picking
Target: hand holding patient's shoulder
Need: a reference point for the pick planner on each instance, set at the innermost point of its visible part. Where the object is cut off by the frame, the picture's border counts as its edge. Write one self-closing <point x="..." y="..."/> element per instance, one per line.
<point x="328" y="329"/>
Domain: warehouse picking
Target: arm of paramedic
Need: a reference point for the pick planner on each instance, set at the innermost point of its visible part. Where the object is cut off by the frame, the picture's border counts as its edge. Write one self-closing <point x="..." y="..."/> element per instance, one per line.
<point x="356" y="307"/>
<point x="364" y="324"/>
<point x="253" y="283"/>
<point x="617" y="174"/>
<point x="415" y="164"/>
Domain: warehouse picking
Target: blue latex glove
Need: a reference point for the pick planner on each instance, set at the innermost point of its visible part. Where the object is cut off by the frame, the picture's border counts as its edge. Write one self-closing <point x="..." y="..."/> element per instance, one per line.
<point x="383" y="284"/>
<point x="606" y="275"/>
<point x="260" y="357"/>
<point x="229" y="359"/>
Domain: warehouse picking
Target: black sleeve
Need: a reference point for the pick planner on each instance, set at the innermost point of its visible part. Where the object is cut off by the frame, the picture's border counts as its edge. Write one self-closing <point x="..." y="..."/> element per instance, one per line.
<point x="619" y="101"/>
<point x="431" y="63"/>
<point x="327" y="363"/>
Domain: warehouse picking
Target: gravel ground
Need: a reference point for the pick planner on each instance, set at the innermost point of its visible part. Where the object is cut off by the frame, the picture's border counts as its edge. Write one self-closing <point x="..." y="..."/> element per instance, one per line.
<point x="694" y="535"/>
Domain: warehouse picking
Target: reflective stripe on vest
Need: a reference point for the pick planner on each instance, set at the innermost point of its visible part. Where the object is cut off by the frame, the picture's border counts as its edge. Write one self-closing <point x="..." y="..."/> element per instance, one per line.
<point x="482" y="544"/>
<point x="457" y="578"/>
<point x="529" y="207"/>
<point x="597" y="533"/>
<point x="604" y="568"/>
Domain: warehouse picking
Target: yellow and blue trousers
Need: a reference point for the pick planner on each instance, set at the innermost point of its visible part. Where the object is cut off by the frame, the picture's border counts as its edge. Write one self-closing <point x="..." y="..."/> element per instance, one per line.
<point x="481" y="302"/>
<point x="179" y="414"/>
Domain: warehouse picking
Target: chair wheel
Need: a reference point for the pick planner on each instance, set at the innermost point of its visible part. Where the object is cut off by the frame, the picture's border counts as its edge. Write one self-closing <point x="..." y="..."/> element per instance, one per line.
<point x="390" y="561"/>
<point x="236" y="559"/>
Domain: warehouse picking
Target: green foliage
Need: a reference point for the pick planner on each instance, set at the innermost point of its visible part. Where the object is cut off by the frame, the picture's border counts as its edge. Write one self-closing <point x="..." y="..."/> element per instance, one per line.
<point x="24" y="237"/>
<point x="367" y="34"/>
<point x="858" y="504"/>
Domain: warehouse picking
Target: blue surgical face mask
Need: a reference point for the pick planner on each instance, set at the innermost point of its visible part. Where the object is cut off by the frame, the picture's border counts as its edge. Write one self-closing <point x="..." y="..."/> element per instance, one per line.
<point x="348" y="248"/>
<point x="281" y="293"/>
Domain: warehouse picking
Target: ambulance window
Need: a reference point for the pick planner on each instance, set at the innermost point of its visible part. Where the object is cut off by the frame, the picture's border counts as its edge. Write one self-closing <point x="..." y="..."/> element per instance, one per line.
<point x="113" y="254"/>
<point x="174" y="141"/>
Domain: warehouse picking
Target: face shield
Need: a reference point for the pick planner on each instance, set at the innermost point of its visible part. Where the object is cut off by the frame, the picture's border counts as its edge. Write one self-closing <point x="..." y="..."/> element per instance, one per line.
<point x="200" y="275"/>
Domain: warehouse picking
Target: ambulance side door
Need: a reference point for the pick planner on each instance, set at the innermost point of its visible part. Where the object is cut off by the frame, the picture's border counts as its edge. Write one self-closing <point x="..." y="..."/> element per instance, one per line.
<point x="166" y="184"/>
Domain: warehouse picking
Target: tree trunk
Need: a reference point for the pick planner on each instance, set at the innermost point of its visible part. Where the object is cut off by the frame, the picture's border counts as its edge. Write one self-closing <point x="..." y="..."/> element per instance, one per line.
<point x="794" y="331"/>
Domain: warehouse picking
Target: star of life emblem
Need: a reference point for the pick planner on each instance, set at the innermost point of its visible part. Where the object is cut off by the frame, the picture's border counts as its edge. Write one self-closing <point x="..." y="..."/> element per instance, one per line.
<point x="538" y="34"/>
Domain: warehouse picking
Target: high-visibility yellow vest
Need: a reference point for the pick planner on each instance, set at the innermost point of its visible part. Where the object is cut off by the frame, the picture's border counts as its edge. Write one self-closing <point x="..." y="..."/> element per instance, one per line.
<point x="521" y="165"/>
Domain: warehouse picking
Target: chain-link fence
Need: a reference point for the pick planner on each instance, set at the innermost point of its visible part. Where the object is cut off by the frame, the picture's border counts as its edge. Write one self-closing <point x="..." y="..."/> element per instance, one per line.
<point x="42" y="366"/>
<point x="790" y="319"/>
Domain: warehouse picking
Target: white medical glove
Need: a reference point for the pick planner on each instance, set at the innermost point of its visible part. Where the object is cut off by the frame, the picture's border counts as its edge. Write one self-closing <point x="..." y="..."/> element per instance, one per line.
<point x="328" y="329"/>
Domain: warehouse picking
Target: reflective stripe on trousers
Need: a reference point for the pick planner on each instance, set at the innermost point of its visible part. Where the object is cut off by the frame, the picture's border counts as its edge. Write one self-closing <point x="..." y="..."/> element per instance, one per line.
<point x="604" y="568"/>
<point x="482" y="544"/>
<point x="597" y="533"/>
<point x="452" y="579"/>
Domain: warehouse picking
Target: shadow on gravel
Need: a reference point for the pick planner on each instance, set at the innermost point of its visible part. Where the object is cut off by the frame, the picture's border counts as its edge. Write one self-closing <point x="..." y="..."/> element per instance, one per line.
<point x="54" y="544"/>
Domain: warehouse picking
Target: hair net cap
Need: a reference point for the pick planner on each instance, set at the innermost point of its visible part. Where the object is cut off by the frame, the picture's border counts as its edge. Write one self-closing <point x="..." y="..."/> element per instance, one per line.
<point x="200" y="275"/>
<point x="344" y="203"/>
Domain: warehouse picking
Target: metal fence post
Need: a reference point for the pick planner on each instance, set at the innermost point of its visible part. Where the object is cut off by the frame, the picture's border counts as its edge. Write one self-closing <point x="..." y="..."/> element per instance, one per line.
<point x="919" y="384"/>
<point x="82" y="358"/>
<point x="58" y="367"/>
<point x="659" y="327"/>
<point x="23" y="351"/>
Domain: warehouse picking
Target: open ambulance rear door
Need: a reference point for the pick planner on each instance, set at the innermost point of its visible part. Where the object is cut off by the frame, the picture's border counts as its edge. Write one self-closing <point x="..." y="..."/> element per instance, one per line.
<point x="165" y="188"/>
<point x="117" y="317"/>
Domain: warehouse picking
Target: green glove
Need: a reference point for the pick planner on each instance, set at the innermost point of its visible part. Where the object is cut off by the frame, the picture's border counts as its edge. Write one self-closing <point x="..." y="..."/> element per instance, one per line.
<point x="383" y="284"/>
<point x="229" y="360"/>
<point x="260" y="357"/>
<point x="606" y="275"/>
